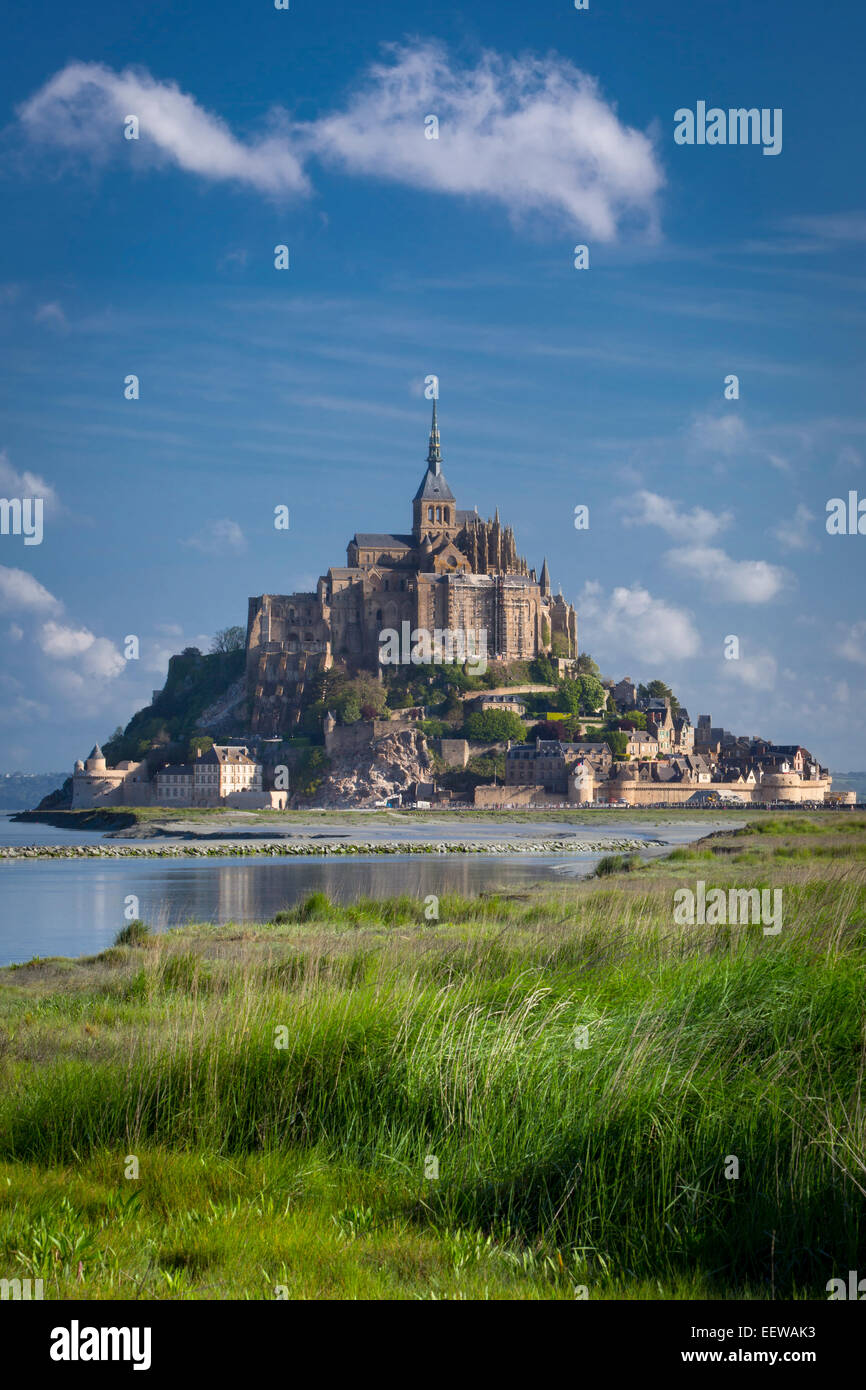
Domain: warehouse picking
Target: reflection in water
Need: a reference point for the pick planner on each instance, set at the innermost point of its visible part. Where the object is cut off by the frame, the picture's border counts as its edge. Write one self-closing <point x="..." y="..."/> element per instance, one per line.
<point x="67" y="907"/>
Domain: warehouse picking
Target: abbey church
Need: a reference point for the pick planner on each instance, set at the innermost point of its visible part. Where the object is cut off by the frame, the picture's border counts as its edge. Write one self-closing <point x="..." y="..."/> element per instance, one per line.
<point x="452" y="571"/>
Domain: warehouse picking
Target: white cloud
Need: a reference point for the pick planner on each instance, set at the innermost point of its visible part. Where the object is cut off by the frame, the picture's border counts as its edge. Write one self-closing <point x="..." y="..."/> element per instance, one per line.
<point x="795" y="533"/>
<point x="633" y="626"/>
<point x="743" y="581"/>
<point x="20" y="592"/>
<point x="16" y="633"/>
<point x="779" y="463"/>
<point x="853" y="644"/>
<point x="26" y="484"/>
<point x="64" y="642"/>
<point x="95" y="657"/>
<point x="218" y="537"/>
<point x="102" y="660"/>
<point x="699" y="524"/>
<point x="533" y="134"/>
<point x="719" y="434"/>
<point x="757" y="672"/>
<point x="83" y="107"/>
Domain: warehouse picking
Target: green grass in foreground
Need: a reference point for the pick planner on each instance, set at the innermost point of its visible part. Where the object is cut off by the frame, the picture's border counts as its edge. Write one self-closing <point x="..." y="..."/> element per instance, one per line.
<point x="301" y="1166"/>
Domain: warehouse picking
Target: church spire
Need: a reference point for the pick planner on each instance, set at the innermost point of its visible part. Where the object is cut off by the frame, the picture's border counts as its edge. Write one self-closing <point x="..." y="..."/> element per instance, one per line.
<point x="434" y="453"/>
<point x="545" y="578"/>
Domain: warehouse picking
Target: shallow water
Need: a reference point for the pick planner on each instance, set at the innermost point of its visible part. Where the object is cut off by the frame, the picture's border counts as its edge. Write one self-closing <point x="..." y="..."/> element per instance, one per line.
<point x="76" y="907"/>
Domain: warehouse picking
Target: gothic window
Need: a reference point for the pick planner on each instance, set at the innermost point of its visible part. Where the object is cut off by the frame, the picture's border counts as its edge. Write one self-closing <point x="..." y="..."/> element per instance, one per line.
<point x="447" y="516"/>
<point x="438" y="513"/>
<point x="429" y="513"/>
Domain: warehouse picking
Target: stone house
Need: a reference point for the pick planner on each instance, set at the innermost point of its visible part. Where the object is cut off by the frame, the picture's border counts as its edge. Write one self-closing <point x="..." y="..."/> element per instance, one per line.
<point x="222" y="772"/>
<point x="642" y="744"/>
<point x="625" y="694"/>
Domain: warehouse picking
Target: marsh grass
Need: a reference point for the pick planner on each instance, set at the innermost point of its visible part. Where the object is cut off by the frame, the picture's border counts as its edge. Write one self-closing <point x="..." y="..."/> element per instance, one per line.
<point x="580" y="1068"/>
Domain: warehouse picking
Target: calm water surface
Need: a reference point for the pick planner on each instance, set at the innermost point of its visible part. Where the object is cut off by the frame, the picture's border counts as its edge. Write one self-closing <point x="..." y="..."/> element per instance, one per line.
<point x="73" y="907"/>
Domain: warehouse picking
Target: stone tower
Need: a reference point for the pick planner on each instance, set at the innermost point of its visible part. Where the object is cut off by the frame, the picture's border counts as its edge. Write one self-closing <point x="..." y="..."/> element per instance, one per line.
<point x="434" y="510"/>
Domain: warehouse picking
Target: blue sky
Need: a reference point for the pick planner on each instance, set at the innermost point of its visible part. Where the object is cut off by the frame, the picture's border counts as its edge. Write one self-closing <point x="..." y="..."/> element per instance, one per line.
<point x="409" y="256"/>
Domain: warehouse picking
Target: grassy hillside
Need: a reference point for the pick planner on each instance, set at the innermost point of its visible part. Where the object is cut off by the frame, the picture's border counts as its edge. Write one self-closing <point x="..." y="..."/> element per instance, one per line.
<point x="193" y="683"/>
<point x="283" y="1088"/>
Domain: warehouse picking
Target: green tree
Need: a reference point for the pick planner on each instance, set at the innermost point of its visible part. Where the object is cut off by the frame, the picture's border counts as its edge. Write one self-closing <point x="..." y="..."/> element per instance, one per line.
<point x="583" y="695"/>
<point x="495" y="726"/>
<point x="310" y="771"/>
<point x="617" y="742"/>
<point x="541" y="671"/>
<point x="229" y="639"/>
<point x="586" y="666"/>
<point x="435" y="728"/>
<point x="657" y="690"/>
<point x="350" y="710"/>
<point x="201" y="741"/>
<point x="636" y="718"/>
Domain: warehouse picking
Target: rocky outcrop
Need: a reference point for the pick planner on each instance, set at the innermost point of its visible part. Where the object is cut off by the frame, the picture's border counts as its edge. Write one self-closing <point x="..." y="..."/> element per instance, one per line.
<point x="385" y="767"/>
<point x="228" y="711"/>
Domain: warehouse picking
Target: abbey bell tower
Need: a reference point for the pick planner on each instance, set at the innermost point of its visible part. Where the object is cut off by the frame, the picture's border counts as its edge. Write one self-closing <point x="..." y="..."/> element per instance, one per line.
<point x="434" y="510"/>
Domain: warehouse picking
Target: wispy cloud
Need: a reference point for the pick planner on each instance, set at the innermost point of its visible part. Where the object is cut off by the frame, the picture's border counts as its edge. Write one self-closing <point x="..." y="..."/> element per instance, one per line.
<point x="699" y="524"/>
<point x="853" y="644"/>
<point x="94" y="657"/>
<point x="223" y="537"/>
<point x="795" y="532"/>
<point x="630" y="624"/>
<point x="83" y="108"/>
<point x="757" y="672"/>
<point x="742" y="581"/>
<point x="21" y="593"/>
<point x="719" y="434"/>
<point x="533" y="135"/>
<point x="24" y="484"/>
<point x="53" y="315"/>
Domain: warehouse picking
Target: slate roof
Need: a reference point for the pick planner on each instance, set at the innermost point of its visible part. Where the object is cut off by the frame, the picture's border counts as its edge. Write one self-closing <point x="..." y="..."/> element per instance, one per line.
<point x="384" y="539"/>
<point x="434" y="488"/>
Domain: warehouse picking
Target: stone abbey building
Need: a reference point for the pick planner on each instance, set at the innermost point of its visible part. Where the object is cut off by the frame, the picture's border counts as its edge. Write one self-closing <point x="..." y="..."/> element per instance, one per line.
<point x="452" y="572"/>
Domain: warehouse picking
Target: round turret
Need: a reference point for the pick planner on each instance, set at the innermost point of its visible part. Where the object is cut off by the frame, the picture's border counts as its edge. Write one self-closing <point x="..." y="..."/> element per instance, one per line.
<point x="781" y="786"/>
<point x="96" y="761"/>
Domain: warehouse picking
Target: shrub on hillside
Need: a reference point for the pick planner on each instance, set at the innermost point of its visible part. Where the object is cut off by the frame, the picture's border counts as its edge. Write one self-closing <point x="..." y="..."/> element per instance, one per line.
<point x="495" y="726"/>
